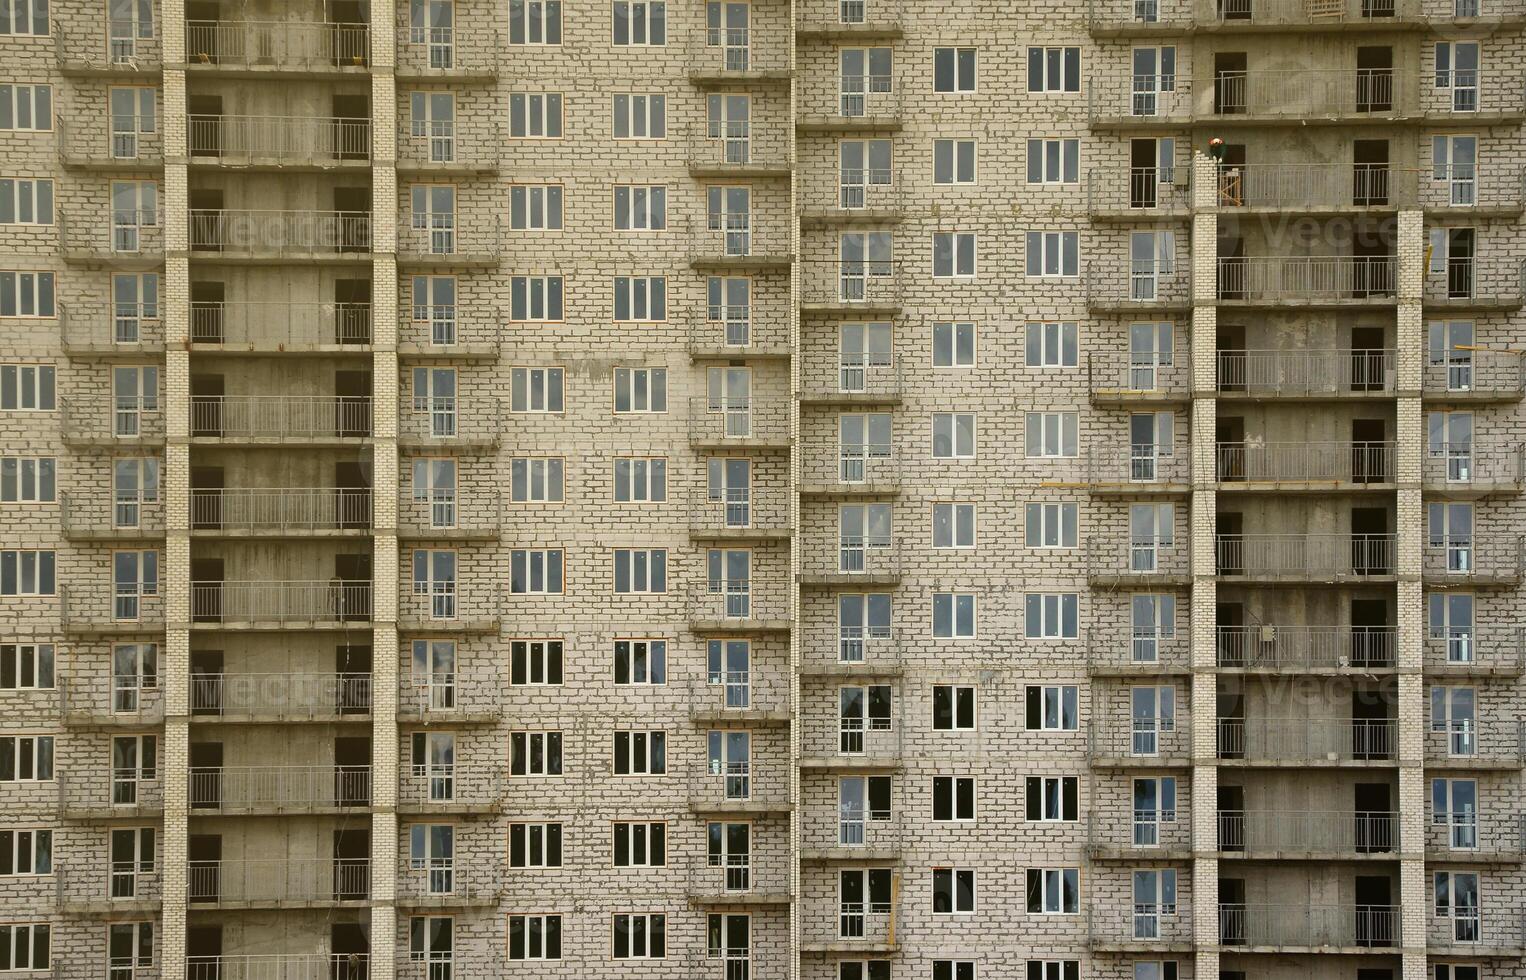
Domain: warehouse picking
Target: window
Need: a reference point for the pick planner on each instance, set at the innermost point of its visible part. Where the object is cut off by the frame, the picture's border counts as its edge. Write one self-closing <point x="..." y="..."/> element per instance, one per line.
<point x="641" y="207"/>
<point x="953" y="707"/>
<point x="862" y="892"/>
<point x="729" y="302"/>
<point x="640" y="22"/>
<point x="535" y="22"/>
<point x="1454" y="807"/>
<point x="1450" y="532"/>
<point x="25" y="945"/>
<point x="953" y="435"/>
<point x="639" y="935"/>
<point x="535" y="937"/>
<point x="135" y="482"/>
<point x="1054" y="69"/>
<point x="863" y="73"/>
<point x="26" y="294"/>
<point x="953" y="891"/>
<point x="1154" y="897"/>
<point x="1153" y="616"/>
<point x="953" y="615"/>
<point x="130" y="948"/>
<point x="434" y="308"/>
<point x="728" y="123"/>
<point x="728" y="210"/>
<point x="431" y="940"/>
<point x="535" y="115"/>
<point x="135" y="392"/>
<point x="953" y="345"/>
<point x="1051" y="708"/>
<point x="1053" y="254"/>
<point x="1052" y="434"/>
<point x="953" y="255"/>
<point x="641" y="845"/>
<point x="28" y="479"/>
<point x="862" y="165"/>
<point x="27" y="388"/>
<point x="26" y="852"/>
<point x="536" y="479"/>
<point x="953" y="525"/>
<point x="432" y="849"/>
<point x="26" y="573"/>
<point x="1154" y="970"/>
<point x="953" y="970"/>
<point x="641" y="298"/>
<point x="1052" y="344"/>
<point x="1050" y="525"/>
<point x="535" y="390"/>
<point x="641" y="753"/>
<point x="860" y="710"/>
<point x="1153" y="712"/>
<point x="641" y="662"/>
<point x="1457" y="898"/>
<point x="535" y="571"/>
<point x="1154" y="73"/>
<point x="535" y="299"/>
<point x="953" y="69"/>
<point x="640" y="117"/>
<point x="641" y="571"/>
<point x="134" y="760"/>
<point x="1052" y="799"/>
<point x="1054" y="161"/>
<point x="432" y="758"/>
<point x="432" y="121"/>
<point x="863" y="969"/>
<point x="640" y="479"/>
<point x="641" y="390"/>
<point x="1054" y="970"/>
<point x="26" y="108"/>
<point x="433" y="211"/>
<point x="535" y="845"/>
<point x="953" y="798"/>
<point x="434" y="578"/>
<point x="135" y="576"/>
<point x="1454" y="713"/>
<point x="135" y="298"/>
<point x="1454" y="163"/>
<point x="535" y="207"/>
<point x="26" y="666"/>
<point x="26" y="201"/>
<point x="26" y="758"/>
<point x="1457" y="64"/>
<point x="134" y="206"/>
<point x="953" y="161"/>
<point x="1456" y="971"/>
<point x="1154" y="804"/>
<point x="535" y="662"/>
<point x="1053" y="891"/>
<point x="24" y="17"/>
<point x="1152" y="255"/>
<point x="535" y="753"/>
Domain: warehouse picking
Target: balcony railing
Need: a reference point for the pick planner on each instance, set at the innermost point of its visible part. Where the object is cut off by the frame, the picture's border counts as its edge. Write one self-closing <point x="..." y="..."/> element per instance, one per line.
<point x="1296" y="13"/>
<point x="1309" y="92"/>
<point x="1456" y="833"/>
<point x="117" y="791"/>
<point x="1307" y="278"/>
<point x="281" y="603"/>
<point x="850" y="828"/>
<point x="1304" y="556"/>
<point x="278" y="881"/>
<point x="1148" y="287"/>
<point x="447" y="512"/>
<point x="275" y="788"/>
<point x="449" y="327"/>
<point x="297" y="234"/>
<point x="252" y="511"/>
<point x="1145" y="97"/>
<point x="278" y="417"/>
<point x="280" y="326"/>
<point x="288" y="44"/>
<point x="865" y="464"/>
<point x="122" y="514"/>
<point x="1137" y="558"/>
<point x="1465" y="372"/>
<point x="111" y="326"/>
<point x="435" y="787"/>
<point x="1301" y="926"/>
<point x="279" y="966"/>
<point x="740" y="601"/>
<point x="872" y="284"/>
<point x="721" y="51"/>
<point x="738" y="420"/>
<point x="870" y="557"/>
<point x="871" y="191"/>
<point x="860" y="376"/>
<point x="1139" y="649"/>
<point x="1305" y="831"/>
<point x="1308" y="739"/>
<point x="1147" y="190"/>
<point x="736" y="147"/>
<point x="127" y="44"/>
<point x="1470" y="466"/>
<point x="290" y="695"/>
<point x="1140" y="925"/>
<point x="1163" y="737"/>
<point x="448" y="604"/>
<point x="1144" y="832"/>
<point x="1305" y="462"/>
<point x="126" y="418"/>
<point x="1486" y="648"/>
<point x="1468" y="558"/>
<point x="445" y="52"/>
<point x="135" y="234"/>
<point x="83" y="606"/>
<point x="1303" y="373"/>
<point x="98" y="698"/>
<point x="422" y="235"/>
<point x="443" y="695"/>
<point x="854" y="647"/>
<point x="1468" y="281"/>
<point x="739" y="238"/>
<point x="1316" y="186"/>
<point x="1121" y="374"/>
<point x="1502" y="928"/>
<point x="450" y="420"/>
<point x="1137" y="467"/>
<point x="95" y="887"/>
<point x="1470" y="742"/>
<point x="449" y="144"/>
<point x="739" y="510"/>
<point x="283" y="139"/>
<point x="1273" y="647"/>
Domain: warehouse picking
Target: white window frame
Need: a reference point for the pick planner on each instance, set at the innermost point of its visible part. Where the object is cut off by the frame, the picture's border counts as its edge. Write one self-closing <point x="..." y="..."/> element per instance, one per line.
<point x="954" y="525"/>
<point x="1052" y="344"/>
<point x="1054" y="69"/>
<point x="28" y="479"/>
<point x="40" y="579"/>
<point x="955" y="255"/>
<point x="523" y="384"/>
<point x="21" y="661"/>
<point x="30" y="945"/>
<point x="1051" y="524"/>
<point x="26" y="202"/>
<point x="646" y="934"/>
<point x="530" y="853"/>
<point x="948" y="337"/>
<point x="28" y="18"/>
<point x="956" y="694"/>
<point x="1052" y="254"/>
<point x="641" y="390"/>
<point x="535" y="116"/>
<point x="644" y="753"/>
<point x="535" y="23"/>
<point x="1056" y="611"/>
<point x="640" y="299"/>
<point x="952" y="603"/>
<point x="548" y="564"/>
<point x="640" y="479"/>
<point x="1054" y="161"/>
<point x="28" y="295"/>
<point x="956" y="68"/>
<point x="1051" y="793"/>
<point x="945" y="795"/>
<point x="638" y="116"/>
<point x="28" y="388"/>
<point x="640" y="207"/>
<point x="961" y="444"/>
<point x="953" y="877"/>
<point x="537" y="479"/>
<point x="536" y="662"/>
<point x="537" y="299"/>
<point x="649" y="653"/>
<point x="955" y="162"/>
<point x="28" y="851"/>
<point x="644" y="571"/>
<point x="1056" y="885"/>
<point x="31" y="753"/>
<point x="523" y="745"/>
<point x="536" y="207"/>
<point x="1058" y="435"/>
<point x="643" y="847"/>
<point x="23" y="111"/>
<point x="645" y="23"/>
<point x="1059" y="707"/>
<point x="534" y="929"/>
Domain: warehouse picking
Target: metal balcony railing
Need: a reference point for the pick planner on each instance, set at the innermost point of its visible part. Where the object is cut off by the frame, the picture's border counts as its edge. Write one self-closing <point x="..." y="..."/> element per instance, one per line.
<point x="92" y="698"/>
<point x="1462" y="186"/>
<point x="872" y="190"/>
<point x="866" y="463"/>
<point x="113" y="790"/>
<point x="850" y="828"/>
<point x="1142" y="649"/>
<point x="111" y="418"/>
<point x="279" y="44"/>
<point x="280" y="603"/>
<point x="288" y="139"/>
<point x="1316" y="186"/>
<point x="1307" y="739"/>
<point x="1138" y="558"/>
<point x="266" y="511"/>
<point x="1304" y="556"/>
<point x="425" y="234"/>
<point x="738" y="693"/>
<point x="738" y="236"/>
<point x="274" y="788"/>
<point x="448" y="604"/>
<point x="1142" y="831"/>
<point x="1147" y="190"/>
<point x="871" y="557"/>
<point x="279" y="881"/>
<point x="1473" y="280"/>
<point x="1124" y="374"/>
<point x="1473" y="558"/>
<point x="448" y="326"/>
<point x="430" y="787"/>
<point x="279" y="966"/>
<point x="1144" y="97"/>
<point x="829" y="16"/>
<point x="289" y="695"/>
<point x="448" y="879"/>
<point x="1273" y="647"/>
<point x="443" y="695"/>
<point x="1470" y="741"/>
<point x="98" y="886"/>
<point x="874" y="648"/>
<point x="738" y="419"/>
<point x="127" y="44"/>
<point x="1140" y="466"/>
<point x="1497" y="928"/>
<point x="1340" y="926"/>
<point x="1302" y="373"/>
<point x="448" y="511"/>
<point x="1470" y="466"/>
<point x="280" y="326"/>
<point x="1484" y="647"/>
<point x="740" y="600"/>
<point x="1296" y="13"/>
<point x="866" y="97"/>
<point x="116" y="138"/>
<point x="123" y="514"/>
<point x="111" y="326"/>
<point x="280" y="416"/>
<point x="721" y="51"/>
<point x="738" y="510"/>
<point x="1148" y="286"/>
<point x="864" y="376"/>
<point x="737" y="147"/>
<point x="1475" y="371"/>
<point x="1139" y="737"/>
<point x="103" y="606"/>
<point x="449" y="420"/>
<point x="1302" y="93"/>
<point x="1304" y="462"/>
<point x="111" y="232"/>
<point x="1307" y="278"/>
<point x="1344" y="831"/>
<point x="872" y="284"/>
<point x="1143" y="924"/>
<point x="1467" y="830"/>
<point x="248" y="231"/>
<point x="445" y="51"/>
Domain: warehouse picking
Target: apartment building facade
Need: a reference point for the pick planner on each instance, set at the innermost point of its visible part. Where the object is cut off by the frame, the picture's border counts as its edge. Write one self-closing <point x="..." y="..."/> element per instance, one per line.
<point x="844" y="491"/>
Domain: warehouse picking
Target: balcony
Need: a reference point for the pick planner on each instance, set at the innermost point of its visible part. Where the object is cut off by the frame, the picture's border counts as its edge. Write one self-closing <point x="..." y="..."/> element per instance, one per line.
<point x="233" y="790"/>
<point x="110" y="517"/>
<point x="851" y="651"/>
<point x="101" y="609"/>
<point x="444" y="54"/>
<point x="1123" y="378"/>
<point x="448" y="514"/>
<point x="449" y="883"/>
<point x="740" y="788"/>
<point x="734" y="331"/>
<point x="862" y="103"/>
<point x="288" y="46"/>
<point x="99" y="701"/>
<point x="447" y="607"/>
<point x="737" y="149"/>
<point x="123" y="143"/>
<point x="1315" y="928"/>
<point x="428" y="790"/>
<point x="1141" y="927"/>
<point x="1461" y="190"/>
<point x="106" y="889"/>
<point x="288" y="697"/>
<point x="1316" y="188"/>
<point x="121" y="236"/>
<point x="1475" y="284"/>
<point x="1163" y="834"/>
<point x="456" y="332"/>
<point x="1268" y="648"/>
<point x="438" y="239"/>
<point x="1304" y="557"/>
<point x="449" y="698"/>
<point x="749" y="513"/>
<point x="1305" y="374"/>
<point x="1307" y="742"/>
<point x="1143" y="741"/>
<point x="468" y="147"/>
<point x="1308" y="280"/>
<point x="1320" y="466"/>
<point x="122" y="50"/>
<point x="738" y="880"/>
<point x="284" y="142"/>
<point x="1475" y="374"/>
<point x="858" y="559"/>
<point x="1471" y="651"/>
<point x="450" y="421"/>
<point x="1475" y="745"/>
<point x="735" y="241"/>
<point x="1496" y="932"/>
<point x="285" y="512"/>
<point x="110" y="794"/>
<point x="1138" y="469"/>
<point x="111" y="329"/>
<point x="1468" y="837"/>
<point x="740" y="604"/>
<point x="1310" y="834"/>
<point x="726" y="422"/>
<point x="112" y="421"/>
<point x="868" y="469"/>
<point x="861" y="195"/>
<point x="279" y="966"/>
<point x="281" y="419"/>
<point x="857" y="287"/>
<point x="1330" y="95"/>
<point x="834" y="926"/>
<point x="1138" y="193"/>
<point x="1125" y="651"/>
<point x="328" y="328"/>
<point x="1113" y="18"/>
<point x="718" y="55"/>
<point x="855" y="379"/>
<point x="1109" y="290"/>
<point x="1468" y="470"/>
<point x="1146" y="101"/>
<point x="278" y="884"/>
<point x="280" y="236"/>
<point x="831" y="834"/>
<point x="1126" y="560"/>
<point x="332" y="604"/>
<point x="835" y="20"/>
<point x="1481" y="561"/>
